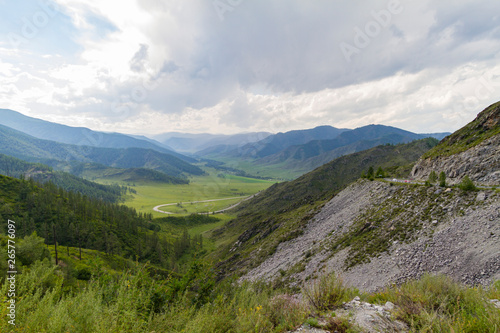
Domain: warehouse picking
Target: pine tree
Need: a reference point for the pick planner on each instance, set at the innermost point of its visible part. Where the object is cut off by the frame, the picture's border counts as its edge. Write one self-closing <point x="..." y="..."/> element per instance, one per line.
<point x="433" y="177"/>
<point x="442" y="179"/>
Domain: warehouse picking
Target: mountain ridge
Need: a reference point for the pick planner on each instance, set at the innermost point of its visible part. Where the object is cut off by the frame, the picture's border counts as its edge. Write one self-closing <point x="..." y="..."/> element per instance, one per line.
<point x="374" y="233"/>
<point x="80" y="136"/>
<point x="473" y="151"/>
<point x="20" y="145"/>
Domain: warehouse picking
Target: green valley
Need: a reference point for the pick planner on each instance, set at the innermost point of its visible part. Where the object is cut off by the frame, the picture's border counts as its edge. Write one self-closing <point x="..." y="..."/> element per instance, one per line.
<point x="167" y="260"/>
<point x="214" y="185"/>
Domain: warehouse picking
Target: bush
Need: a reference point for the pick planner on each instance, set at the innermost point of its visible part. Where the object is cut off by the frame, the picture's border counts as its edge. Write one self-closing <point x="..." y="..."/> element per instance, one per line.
<point x="83" y="272"/>
<point x="432" y="177"/>
<point x="325" y="293"/>
<point x="341" y="325"/>
<point x="438" y="304"/>
<point x="31" y="249"/>
<point x="442" y="179"/>
<point x="467" y="184"/>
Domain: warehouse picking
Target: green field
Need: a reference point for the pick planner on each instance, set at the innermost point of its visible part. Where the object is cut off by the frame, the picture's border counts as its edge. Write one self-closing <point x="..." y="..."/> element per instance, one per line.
<point x="279" y="171"/>
<point x="201" y="207"/>
<point x="212" y="186"/>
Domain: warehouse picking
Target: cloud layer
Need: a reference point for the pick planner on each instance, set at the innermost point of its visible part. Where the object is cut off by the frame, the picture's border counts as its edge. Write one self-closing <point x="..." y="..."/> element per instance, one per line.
<point x="238" y="65"/>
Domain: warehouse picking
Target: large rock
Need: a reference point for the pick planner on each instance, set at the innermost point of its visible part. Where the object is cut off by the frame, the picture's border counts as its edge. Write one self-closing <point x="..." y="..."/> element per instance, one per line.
<point x="481" y="163"/>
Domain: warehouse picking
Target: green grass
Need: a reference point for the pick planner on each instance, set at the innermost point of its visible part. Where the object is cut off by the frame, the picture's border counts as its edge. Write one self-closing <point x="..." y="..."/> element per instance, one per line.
<point x="485" y="126"/>
<point x="278" y="171"/>
<point x="440" y="304"/>
<point x="211" y="186"/>
<point x="184" y="208"/>
<point x="132" y="301"/>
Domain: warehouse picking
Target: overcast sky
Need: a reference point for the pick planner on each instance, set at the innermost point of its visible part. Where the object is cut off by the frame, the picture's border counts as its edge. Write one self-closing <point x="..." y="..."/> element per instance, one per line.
<point x="228" y="66"/>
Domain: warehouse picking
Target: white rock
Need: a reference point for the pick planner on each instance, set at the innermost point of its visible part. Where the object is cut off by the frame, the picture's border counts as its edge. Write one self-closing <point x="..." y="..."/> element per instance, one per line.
<point x="389" y="306"/>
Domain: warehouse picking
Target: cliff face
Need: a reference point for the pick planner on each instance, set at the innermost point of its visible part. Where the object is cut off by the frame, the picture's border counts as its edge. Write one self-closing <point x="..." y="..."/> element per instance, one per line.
<point x="375" y="234"/>
<point x="473" y="150"/>
<point x="481" y="163"/>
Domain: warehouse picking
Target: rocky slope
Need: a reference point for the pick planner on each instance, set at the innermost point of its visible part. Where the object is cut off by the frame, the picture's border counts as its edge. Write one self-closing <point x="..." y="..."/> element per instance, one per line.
<point x="474" y="150"/>
<point x="375" y="234"/>
<point x="481" y="163"/>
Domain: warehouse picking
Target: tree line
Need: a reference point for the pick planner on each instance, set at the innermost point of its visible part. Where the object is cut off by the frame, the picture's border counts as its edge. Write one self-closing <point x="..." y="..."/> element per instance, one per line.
<point x="72" y="219"/>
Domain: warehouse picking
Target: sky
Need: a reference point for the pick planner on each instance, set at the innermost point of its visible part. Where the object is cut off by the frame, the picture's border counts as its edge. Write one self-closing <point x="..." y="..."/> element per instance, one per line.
<point x="231" y="66"/>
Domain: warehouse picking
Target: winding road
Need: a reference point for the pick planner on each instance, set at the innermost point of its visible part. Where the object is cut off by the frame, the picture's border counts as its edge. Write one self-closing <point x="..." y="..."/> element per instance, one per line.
<point x="157" y="208"/>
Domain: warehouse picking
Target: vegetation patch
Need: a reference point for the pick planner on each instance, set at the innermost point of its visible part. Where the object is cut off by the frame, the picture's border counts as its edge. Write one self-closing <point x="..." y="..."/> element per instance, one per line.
<point x="485" y="126"/>
<point x="398" y="218"/>
<point x="439" y="304"/>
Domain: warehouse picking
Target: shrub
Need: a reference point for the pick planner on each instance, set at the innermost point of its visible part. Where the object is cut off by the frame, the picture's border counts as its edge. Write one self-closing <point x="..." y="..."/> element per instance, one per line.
<point x="467" y="184"/>
<point x="432" y="177"/>
<point x="442" y="179"/>
<point x="312" y="322"/>
<point x="341" y="325"/>
<point x="438" y="304"/>
<point x="325" y="293"/>
<point x="31" y="249"/>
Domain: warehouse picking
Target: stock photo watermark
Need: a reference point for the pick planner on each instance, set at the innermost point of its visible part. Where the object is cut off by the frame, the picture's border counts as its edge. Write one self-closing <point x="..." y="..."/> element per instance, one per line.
<point x="222" y="7"/>
<point x="33" y="24"/>
<point x="11" y="272"/>
<point x="382" y="19"/>
<point x="486" y="87"/>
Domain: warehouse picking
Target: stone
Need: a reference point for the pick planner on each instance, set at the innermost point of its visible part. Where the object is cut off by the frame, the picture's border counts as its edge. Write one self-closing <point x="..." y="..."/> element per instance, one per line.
<point x="389" y="306"/>
<point x="481" y="196"/>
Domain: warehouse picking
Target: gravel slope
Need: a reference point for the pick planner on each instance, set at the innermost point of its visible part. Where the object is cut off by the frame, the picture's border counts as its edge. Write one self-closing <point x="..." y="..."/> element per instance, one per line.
<point x="463" y="241"/>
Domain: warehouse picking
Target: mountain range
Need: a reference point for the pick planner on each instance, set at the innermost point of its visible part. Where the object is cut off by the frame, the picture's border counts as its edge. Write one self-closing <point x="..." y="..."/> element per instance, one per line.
<point x="192" y="143"/>
<point x="17" y="144"/>
<point x="80" y="136"/>
<point x="301" y="151"/>
<point x="379" y="232"/>
<point x="261" y="154"/>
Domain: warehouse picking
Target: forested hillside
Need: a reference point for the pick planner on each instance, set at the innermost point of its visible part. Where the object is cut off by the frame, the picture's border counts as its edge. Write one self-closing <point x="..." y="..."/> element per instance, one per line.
<point x="13" y="167"/>
<point x="75" y="220"/>
<point x="23" y="146"/>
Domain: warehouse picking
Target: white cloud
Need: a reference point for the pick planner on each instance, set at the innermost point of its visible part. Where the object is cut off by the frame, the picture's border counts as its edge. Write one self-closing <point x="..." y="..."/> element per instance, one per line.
<point x="151" y="66"/>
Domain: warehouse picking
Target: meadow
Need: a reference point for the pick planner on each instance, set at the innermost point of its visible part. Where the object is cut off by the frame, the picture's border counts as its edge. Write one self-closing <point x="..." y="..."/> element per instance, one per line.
<point x="211" y="186"/>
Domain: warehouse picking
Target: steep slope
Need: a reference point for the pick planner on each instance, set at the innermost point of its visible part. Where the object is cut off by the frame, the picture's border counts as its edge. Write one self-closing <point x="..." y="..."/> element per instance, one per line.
<point x="281" y="212"/>
<point x="80" y="136"/>
<point x="375" y="234"/>
<point x="23" y="146"/>
<point x="473" y="150"/>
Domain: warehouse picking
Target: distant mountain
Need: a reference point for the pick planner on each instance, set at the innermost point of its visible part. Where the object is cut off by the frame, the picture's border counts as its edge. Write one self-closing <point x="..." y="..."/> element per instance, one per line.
<point x="80" y="136"/>
<point x="278" y="142"/>
<point x="438" y="136"/>
<point x="29" y="148"/>
<point x="317" y="152"/>
<point x="155" y="142"/>
<point x="297" y="152"/>
<point x="192" y="143"/>
<point x="141" y="174"/>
